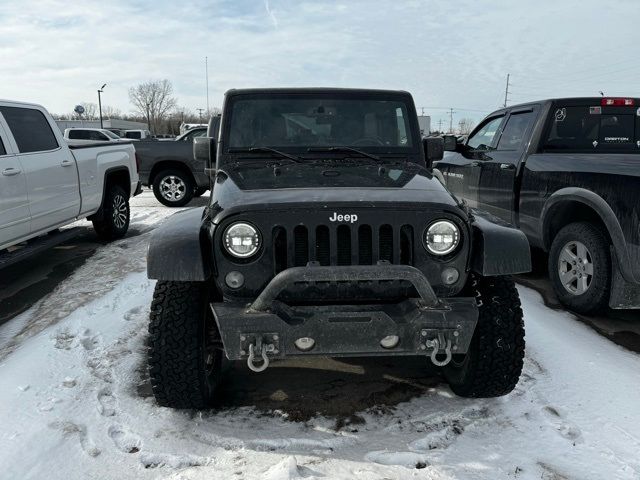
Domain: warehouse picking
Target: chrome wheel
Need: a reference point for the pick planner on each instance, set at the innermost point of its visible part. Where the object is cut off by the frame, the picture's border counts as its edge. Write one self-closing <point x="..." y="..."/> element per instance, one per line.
<point x="120" y="211"/>
<point x="173" y="188"/>
<point x="575" y="267"/>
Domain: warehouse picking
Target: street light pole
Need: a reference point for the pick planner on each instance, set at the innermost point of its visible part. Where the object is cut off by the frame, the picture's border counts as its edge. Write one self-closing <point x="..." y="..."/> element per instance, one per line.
<point x="100" y="103"/>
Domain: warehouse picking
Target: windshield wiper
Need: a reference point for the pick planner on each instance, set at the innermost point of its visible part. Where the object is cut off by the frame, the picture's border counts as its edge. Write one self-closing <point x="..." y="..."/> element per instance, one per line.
<point x="344" y="149"/>
<point x="265" y="149"/>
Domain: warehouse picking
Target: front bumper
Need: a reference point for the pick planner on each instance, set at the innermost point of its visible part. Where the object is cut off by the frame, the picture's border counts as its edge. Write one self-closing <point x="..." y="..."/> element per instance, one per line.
<point x="347" y="329"/>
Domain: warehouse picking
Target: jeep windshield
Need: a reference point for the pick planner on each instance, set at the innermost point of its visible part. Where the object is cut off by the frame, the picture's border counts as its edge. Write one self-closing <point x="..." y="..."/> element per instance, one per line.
<point x="325" y="125"/>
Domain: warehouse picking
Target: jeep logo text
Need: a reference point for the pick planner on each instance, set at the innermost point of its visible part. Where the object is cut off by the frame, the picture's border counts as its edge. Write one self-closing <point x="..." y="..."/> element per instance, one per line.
<point x="349" y="218"/>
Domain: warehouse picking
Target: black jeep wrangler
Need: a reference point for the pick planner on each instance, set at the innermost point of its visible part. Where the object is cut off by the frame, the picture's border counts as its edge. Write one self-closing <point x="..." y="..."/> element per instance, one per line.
<point x="326" y="234"/>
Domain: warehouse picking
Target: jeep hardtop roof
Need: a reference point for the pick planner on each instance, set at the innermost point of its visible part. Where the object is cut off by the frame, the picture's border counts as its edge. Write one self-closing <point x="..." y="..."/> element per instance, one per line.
<point x="294" y="90"/>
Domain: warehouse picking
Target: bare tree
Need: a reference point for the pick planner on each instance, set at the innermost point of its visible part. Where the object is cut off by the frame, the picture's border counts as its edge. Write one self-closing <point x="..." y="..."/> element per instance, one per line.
<point x="153" y="100"/>
<point x="465" y="126"/>
<point x="111" y="112"/>
<point x="90" y="110"/>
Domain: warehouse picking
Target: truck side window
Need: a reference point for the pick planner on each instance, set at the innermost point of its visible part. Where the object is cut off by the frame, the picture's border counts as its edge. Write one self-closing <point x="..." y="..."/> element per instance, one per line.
<point x="515" y="130"/>
<point x="93" y="135"/>
<point x="30" y="129"/>
<point x="2" y="150"/>
<point x="483" y="138"/>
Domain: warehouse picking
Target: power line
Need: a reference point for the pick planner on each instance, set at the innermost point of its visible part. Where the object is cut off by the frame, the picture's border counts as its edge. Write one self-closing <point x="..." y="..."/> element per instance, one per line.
<point x="485" y="110"/>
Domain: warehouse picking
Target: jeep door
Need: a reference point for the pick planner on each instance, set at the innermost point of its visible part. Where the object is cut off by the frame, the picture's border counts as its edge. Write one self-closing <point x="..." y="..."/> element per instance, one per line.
<point x="461" y="169"/>
<point x="52" y="176"/>
<point x="499" y="167"/>
<point x="14" y="202"/>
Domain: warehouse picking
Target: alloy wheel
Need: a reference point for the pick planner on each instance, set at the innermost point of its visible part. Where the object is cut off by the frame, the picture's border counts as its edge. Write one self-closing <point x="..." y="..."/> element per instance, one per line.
<point x="120" y="211"/>
<point x="575" y="267"/>
<point x="173" y="188"/>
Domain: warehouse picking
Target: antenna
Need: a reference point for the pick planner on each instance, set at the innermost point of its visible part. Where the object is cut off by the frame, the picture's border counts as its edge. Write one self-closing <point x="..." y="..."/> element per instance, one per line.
<point x="506" y="90"/>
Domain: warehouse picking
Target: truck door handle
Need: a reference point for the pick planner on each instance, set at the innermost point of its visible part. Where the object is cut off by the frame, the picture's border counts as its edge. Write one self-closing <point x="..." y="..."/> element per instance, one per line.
<point x="474" y="164"/>
<point x="507" y="166"/>
<point x="66" y="163"/>
<point x="8" y="172"/>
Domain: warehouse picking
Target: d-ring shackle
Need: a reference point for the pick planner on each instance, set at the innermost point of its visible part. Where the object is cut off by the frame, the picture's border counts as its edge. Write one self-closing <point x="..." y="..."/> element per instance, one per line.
<point x="435" y="343"/>
<point x="265" y="360"/>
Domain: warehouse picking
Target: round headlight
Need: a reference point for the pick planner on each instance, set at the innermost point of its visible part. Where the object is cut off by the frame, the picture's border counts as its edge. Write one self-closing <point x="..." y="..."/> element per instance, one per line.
<point x="241" y="240"/>
<point x="441" y="237"/>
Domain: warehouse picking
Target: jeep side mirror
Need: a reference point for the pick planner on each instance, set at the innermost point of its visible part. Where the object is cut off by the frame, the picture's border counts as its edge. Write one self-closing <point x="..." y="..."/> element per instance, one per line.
<point x="204" y="150"/>
<point x="450" y="143"/>
<point x="433" y="149"/>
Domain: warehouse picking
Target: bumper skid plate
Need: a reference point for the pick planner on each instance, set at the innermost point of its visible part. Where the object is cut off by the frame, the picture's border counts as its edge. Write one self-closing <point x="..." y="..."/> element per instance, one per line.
<point x="414" y="326"/>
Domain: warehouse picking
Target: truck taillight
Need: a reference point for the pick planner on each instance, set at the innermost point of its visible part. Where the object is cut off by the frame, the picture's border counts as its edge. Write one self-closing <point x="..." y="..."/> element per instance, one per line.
<point x="137" y="163"/>
<point x="618" y="102"/>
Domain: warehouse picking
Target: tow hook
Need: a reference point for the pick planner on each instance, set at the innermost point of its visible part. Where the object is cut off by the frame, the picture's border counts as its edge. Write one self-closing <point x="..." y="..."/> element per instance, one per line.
<point x="258" y="359"/>
<point x="257" y="367"/>
<point x="435" y="344"/>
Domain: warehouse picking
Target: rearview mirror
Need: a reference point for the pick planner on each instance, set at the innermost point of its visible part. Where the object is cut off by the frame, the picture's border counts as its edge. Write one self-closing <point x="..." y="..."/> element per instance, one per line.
<point x="450" y="143"/>
<point x="433" y="149"/>
<point x="204" y="150"/>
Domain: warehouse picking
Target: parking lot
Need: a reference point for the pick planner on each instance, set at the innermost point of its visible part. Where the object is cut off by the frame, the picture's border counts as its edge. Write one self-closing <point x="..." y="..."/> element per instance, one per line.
<point x="75" y="387"/>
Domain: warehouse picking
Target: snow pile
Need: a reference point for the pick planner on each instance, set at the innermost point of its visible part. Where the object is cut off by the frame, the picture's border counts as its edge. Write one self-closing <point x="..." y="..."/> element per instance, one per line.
<point x="75" y="404"/>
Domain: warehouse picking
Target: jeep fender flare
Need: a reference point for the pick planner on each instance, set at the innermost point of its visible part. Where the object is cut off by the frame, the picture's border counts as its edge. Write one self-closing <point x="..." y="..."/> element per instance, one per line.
<point x="602" y="209"/>
<point x="498" y="248"/>
<point x="175" y="249"/>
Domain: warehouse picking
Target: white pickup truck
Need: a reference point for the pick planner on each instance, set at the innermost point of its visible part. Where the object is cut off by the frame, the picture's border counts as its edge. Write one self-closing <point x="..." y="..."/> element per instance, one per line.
<point x="47" y="182"/>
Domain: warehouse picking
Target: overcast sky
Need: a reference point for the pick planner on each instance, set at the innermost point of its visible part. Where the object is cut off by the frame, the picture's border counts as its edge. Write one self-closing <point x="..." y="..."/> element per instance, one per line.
<point x="446" y="53"/>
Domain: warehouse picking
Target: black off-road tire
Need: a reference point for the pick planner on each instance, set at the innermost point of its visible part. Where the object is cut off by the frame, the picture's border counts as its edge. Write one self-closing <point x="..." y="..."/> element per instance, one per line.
<point x="495" y="358"/>
<point x="187" y="188"/>
<point x="199" y="191"/>
<point x="116" y="214"/>
<point x="182" y="336"/>
<point x="596" y="298"/>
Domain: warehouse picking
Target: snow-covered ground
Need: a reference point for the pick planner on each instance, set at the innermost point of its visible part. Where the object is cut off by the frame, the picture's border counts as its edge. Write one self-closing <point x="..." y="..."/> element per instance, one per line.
<point x="74" y="402"/>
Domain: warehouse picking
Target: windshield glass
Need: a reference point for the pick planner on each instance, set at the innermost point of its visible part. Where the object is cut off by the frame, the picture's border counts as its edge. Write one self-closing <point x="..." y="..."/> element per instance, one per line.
<point x="301" y="122"/>
<point x="110" y="134"/>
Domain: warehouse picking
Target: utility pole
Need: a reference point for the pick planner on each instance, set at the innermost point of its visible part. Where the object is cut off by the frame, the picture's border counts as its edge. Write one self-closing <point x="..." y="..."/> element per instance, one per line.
<point x="200" y="110"/>
<point x="451" y="112"/>
<point x="440" y="126"/>
<point x="506" y="90"/>
<point x="206" y="68"/>
<point x="100" y="90"/>
<point x="148" y="119"/>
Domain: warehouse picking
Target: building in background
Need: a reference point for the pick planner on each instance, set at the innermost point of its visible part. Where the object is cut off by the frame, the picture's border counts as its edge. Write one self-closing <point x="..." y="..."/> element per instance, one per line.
<point x="109" y="123"/>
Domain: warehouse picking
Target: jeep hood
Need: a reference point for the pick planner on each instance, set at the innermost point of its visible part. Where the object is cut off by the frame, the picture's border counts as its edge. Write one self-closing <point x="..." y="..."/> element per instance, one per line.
<point x="321" y="184"/>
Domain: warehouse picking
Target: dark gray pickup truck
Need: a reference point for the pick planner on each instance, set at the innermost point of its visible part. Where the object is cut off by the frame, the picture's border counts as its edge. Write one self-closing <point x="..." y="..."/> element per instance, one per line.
<point x="567" y="173"/>
<point x="170" y="169"/>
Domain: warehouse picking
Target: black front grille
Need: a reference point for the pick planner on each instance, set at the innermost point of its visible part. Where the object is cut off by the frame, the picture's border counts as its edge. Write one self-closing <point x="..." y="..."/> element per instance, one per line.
<point x="342" y="245"/>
